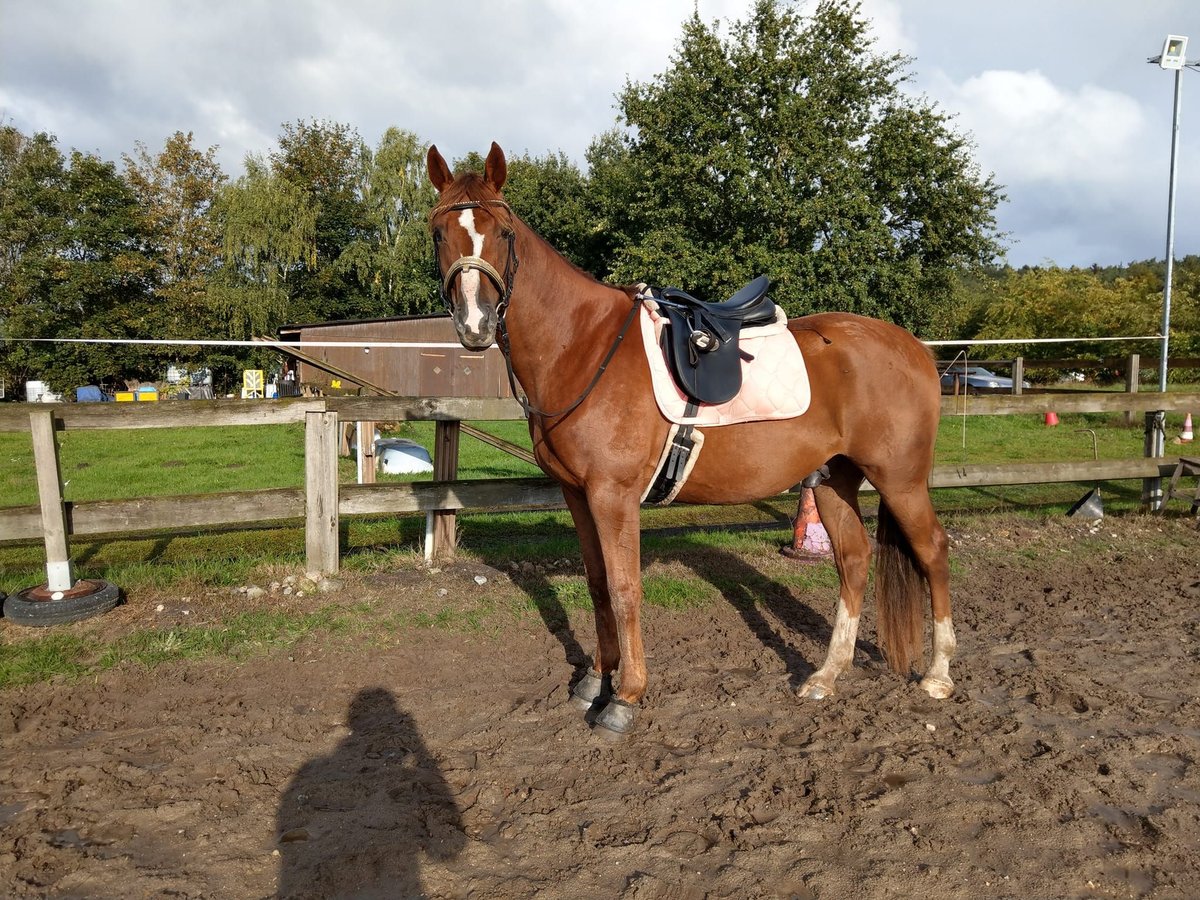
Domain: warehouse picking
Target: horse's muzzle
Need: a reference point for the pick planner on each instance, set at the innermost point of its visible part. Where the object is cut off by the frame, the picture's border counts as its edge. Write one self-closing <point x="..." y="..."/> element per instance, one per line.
<point x="479" y="334"/>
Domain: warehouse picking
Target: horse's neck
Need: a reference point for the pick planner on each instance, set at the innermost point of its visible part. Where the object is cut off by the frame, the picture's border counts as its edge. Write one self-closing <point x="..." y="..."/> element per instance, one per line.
<point x="561" y="323"/>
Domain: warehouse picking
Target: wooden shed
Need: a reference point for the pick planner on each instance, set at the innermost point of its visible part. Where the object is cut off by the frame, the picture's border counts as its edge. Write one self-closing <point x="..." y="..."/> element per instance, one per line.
<point x="445" y="369"/>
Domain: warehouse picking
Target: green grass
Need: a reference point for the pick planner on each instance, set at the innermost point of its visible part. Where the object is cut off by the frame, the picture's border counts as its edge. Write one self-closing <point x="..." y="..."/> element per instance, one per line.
<point x="964" y="440"/>
<point x="74" y="655"/>
<point x="149" y="462"/>
<point x="154" y="462"/>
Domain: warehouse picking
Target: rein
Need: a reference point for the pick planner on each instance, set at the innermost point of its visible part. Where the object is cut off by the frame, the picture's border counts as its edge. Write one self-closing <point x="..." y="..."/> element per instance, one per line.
<point x="529" y="408"/>
<point x="504" y="284"/>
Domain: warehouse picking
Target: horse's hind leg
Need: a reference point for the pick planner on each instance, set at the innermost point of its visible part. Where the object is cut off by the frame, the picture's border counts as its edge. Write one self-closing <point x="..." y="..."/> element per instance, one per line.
<point x="912" y="509"/>
<point x="837" y="504"/>
<point x="596" y="685"/>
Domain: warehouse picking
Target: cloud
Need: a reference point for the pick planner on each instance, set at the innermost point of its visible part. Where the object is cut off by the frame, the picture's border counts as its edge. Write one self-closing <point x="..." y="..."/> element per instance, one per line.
<point x="1029" y="129"/>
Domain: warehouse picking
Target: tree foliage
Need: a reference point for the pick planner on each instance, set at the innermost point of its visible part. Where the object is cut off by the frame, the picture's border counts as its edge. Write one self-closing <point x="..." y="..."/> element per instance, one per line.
<point x="176" y="189"/>
<point x="268" y="225"/>
<point x="550" y="194"/>
<point x="392" y="257"/>
<point x="1116" y="301"/>
<point x="72" y="241"/>
<point x="790" y="149"/>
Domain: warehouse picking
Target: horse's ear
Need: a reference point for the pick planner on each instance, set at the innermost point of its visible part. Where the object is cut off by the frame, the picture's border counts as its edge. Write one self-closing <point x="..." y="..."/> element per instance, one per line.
<point x="495" y="170"/>
<point x="439" y="172"/>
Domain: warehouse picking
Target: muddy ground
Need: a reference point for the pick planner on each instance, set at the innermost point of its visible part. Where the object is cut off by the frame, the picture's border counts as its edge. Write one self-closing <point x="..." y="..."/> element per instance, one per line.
<point x="447" y="762"/>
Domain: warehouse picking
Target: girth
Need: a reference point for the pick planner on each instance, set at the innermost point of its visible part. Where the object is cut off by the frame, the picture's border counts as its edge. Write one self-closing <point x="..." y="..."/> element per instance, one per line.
<point x="701" y="342"/>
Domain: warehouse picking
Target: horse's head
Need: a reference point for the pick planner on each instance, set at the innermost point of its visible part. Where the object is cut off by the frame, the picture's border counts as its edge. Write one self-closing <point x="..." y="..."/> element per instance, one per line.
<point x="474" y="242"/>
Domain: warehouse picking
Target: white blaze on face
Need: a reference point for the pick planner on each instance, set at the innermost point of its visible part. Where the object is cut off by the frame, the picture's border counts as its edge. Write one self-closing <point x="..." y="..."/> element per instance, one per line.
<point x="473" y="314"/>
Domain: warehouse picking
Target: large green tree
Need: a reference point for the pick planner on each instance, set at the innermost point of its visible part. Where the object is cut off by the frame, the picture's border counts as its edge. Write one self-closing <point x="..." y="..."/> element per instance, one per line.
<point x="392" y="257"/>
<point x="32" y="220"/>
<point x="550" y="194"/>
<point x="268" y="230"/>
<point x="323" y="161"/>
<point x="789" y="148"/>
<point x="176" y="188"/>
<point x="72" y="241"/>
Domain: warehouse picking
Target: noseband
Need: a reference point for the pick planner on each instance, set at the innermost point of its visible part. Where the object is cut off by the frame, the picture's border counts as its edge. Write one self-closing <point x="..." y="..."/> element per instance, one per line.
<point x="503" y="283"/>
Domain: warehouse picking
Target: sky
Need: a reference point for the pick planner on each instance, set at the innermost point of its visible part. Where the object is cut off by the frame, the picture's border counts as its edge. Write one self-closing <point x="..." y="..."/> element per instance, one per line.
<point x="1056" y="96"/>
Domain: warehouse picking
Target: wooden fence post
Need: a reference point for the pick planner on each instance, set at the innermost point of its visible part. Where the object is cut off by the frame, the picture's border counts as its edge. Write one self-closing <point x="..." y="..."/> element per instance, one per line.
<point x="1133" y="367"/>
<point x="1018" y="375"/>
<point x="366" y="452"/>
<point x="59" y="575"/>
<point x="321" y="441"/>
<point x="440" y="530"/>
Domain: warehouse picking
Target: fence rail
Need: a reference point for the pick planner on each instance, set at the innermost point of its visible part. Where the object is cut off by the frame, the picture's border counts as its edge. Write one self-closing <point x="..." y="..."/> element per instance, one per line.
<point x="322" y="501"/>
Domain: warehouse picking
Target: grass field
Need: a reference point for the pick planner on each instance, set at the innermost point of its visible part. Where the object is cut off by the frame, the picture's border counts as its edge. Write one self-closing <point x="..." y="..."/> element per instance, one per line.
<point x="110" y="465"/>
<point x="155" y="462"/>
<point x="116" y="464"/>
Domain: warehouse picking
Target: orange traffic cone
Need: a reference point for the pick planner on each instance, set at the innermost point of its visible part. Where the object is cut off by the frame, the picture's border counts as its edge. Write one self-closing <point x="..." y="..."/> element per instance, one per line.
<point x="1051" y="418"/>
<point x="810" y="540"/>
<point x="1187" y="437"/>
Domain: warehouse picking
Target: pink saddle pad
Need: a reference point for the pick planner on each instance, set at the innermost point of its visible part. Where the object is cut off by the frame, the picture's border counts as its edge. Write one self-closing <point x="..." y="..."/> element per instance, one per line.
<point x="774" y="384"/>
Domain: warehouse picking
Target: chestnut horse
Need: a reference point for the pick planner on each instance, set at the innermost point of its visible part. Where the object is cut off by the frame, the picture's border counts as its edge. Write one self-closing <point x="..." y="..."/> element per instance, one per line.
<point x="597" y="430"/>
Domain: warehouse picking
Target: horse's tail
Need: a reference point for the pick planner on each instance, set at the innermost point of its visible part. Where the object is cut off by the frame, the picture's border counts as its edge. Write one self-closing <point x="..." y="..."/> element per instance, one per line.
<point x="899" y="595"/>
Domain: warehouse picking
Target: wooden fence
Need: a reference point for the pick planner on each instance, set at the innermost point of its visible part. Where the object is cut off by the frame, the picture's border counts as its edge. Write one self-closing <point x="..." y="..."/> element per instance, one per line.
<point x="323" y="501"/>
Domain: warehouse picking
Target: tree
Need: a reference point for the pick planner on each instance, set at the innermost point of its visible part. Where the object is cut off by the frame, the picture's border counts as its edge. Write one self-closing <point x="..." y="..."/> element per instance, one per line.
<point x="32" y="219"/>
<point x="1068" y="303"/>
<point x="103" y="288"/>
<point x="74" y="265"/>
<point x="549" y="193"/>
<point x="790" y="149"/>
<point x="176" y="189"/>
<point x="392" y="258"/>
<point x="323" y="161"/>
<point x="268" y="227"/>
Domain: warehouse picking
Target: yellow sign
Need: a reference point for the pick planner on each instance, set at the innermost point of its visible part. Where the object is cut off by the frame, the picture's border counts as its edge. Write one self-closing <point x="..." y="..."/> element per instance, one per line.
<point x="252" y="384"/>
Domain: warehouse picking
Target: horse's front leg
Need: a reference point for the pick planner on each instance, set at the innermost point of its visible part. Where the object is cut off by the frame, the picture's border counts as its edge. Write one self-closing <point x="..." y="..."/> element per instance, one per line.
<point x="595" y="688"/>
<point x="617" y="525"/>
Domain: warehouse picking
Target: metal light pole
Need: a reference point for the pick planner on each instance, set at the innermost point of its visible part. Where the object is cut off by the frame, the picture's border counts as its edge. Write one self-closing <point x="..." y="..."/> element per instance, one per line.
<point x="1173" y="56"/>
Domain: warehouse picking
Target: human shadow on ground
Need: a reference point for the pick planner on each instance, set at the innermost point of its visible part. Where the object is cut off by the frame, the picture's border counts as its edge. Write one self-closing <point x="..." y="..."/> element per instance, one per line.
<point x="358" y="821"/>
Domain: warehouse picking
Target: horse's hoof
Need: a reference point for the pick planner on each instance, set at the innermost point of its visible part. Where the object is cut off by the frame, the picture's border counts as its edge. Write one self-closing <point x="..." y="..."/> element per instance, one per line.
<point x="592" y="688"/>
<point x="937" y="688"/>
<point x="815" y="690"/>
<point x="616" y="719"/>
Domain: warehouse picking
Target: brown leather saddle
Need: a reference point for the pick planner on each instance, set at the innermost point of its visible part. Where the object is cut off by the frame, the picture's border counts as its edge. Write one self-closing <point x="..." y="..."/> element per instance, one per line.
<point x="701" y="343"/>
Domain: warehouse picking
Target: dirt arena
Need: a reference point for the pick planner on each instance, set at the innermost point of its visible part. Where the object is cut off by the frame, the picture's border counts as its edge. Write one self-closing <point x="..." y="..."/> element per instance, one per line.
<point x="447" y="763"/>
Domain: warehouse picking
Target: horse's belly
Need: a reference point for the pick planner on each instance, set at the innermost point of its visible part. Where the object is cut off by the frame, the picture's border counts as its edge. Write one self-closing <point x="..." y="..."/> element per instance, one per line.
<point x="743" y="463"/>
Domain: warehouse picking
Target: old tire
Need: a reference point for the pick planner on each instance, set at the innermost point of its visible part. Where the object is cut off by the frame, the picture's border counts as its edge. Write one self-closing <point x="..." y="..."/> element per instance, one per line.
<point x="22" y="609"/>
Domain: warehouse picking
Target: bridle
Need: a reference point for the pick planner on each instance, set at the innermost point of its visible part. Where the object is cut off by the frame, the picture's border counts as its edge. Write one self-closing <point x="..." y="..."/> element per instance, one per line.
<point x="504" y="284"/>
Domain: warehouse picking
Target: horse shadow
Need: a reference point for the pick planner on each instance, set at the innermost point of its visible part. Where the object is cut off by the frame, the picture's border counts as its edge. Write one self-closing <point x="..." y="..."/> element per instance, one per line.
<point x="773" y="613"/>
<point x="358" y="821"/>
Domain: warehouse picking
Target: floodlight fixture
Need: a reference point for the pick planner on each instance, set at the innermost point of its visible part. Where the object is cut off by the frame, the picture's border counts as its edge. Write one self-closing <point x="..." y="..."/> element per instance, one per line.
<point x="1174" y="54"/>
